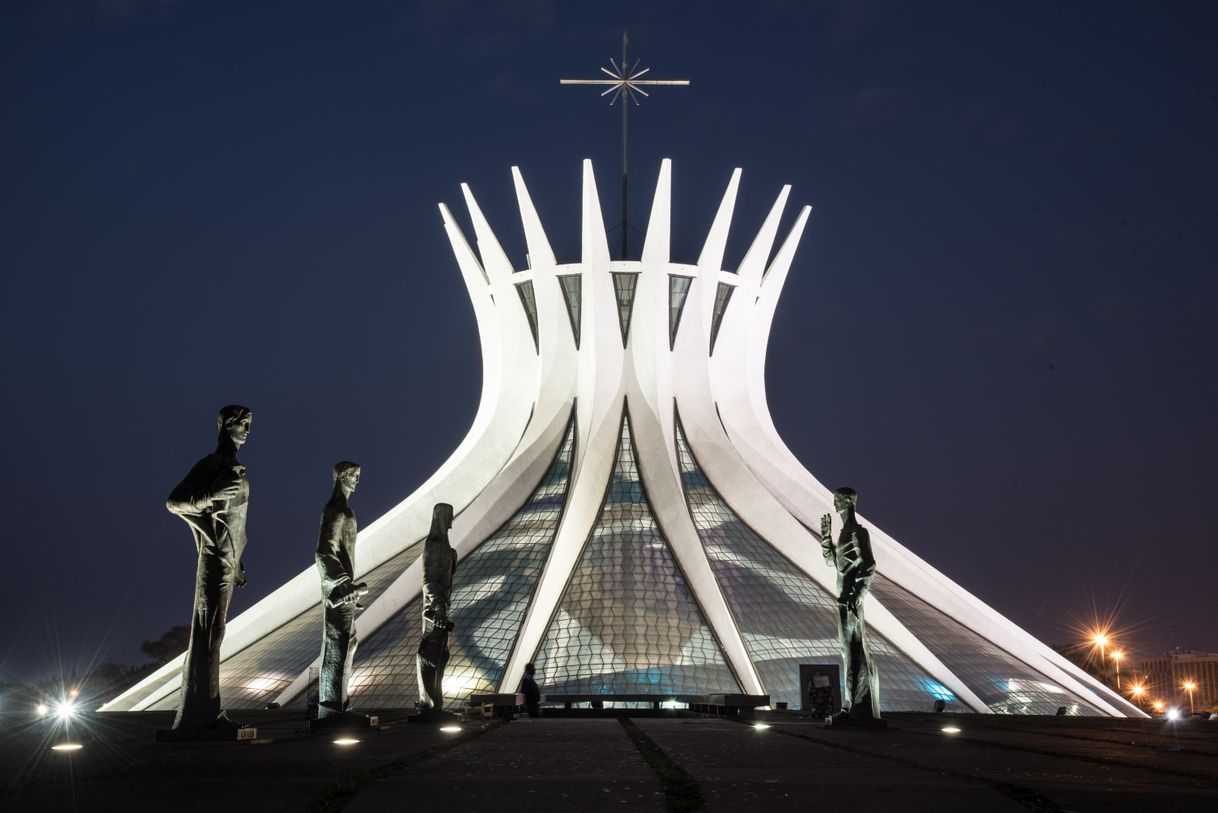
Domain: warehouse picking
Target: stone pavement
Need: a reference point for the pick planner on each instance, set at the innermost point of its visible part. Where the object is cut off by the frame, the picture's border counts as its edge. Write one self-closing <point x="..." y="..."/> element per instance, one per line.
<point x="993" y="764"/>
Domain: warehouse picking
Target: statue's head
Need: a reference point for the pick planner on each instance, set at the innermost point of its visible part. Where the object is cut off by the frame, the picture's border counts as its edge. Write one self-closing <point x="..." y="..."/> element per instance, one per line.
<point x="442" y="516"/>
<point x="234" y="420"/>
<point x="346" y="475"/>
<point x="845" y="499"/>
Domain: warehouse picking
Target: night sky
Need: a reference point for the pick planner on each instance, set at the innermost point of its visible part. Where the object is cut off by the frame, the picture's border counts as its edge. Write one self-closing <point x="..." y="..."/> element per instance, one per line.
<point x="1000" y="326"/>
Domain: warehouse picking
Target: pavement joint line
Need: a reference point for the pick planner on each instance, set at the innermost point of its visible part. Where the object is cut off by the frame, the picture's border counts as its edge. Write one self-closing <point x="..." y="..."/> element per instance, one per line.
<point x="335" y="796"/>
<point x="1027" y="797"/>
<point x="1115" y="763"/>
<point x="681" y="791"/>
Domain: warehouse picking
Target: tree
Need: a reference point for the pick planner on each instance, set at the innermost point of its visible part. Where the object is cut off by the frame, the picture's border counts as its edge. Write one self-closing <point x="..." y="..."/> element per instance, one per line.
<point x="170" y="645"/>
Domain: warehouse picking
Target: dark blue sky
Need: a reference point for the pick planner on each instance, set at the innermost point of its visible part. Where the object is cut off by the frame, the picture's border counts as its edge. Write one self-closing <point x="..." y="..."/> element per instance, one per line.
<point x="1010" y="270"/>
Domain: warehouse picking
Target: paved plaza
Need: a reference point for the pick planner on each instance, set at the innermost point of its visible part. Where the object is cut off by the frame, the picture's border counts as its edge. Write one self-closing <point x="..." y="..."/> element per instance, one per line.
<point x="991" y="764"/>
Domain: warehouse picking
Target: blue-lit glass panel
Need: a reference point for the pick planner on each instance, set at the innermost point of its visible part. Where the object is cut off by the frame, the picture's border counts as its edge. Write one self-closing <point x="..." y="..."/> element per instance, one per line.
<point x="628" y="622"/>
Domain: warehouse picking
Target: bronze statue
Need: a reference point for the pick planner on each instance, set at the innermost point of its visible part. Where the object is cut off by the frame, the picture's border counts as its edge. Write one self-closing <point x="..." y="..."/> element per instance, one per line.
<point x="855" y="567"/>
<point x="213" y="500"/>
<point x="340" y="596"/>
<point x="439" y="566"/>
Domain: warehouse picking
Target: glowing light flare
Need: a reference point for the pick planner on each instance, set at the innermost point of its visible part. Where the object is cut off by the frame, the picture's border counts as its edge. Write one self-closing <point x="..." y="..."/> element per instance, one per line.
<point x="67" y="746"/>
<point x="1188" y="686"/>
<point x="1100" y="639"/>
<point x="450" y="729"/>
<point x="65" y="710"/>
<point x="1116" y="655"/>
<point x="950" y="729"/>
<point x="41" y="710"/>
<point x="1157" y="705"/>
<point x="345" y="741"/>
<point x="1137" y="690"/>
<point x="1173" y="714"/>
<point x="761" y="726"/>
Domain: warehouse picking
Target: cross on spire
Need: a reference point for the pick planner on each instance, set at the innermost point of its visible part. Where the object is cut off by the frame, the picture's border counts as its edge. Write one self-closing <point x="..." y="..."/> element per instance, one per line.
<point x="625" y="84"/>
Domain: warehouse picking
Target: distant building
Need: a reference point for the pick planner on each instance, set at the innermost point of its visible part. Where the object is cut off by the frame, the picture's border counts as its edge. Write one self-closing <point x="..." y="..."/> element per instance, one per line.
<point x="1166" y="675"/>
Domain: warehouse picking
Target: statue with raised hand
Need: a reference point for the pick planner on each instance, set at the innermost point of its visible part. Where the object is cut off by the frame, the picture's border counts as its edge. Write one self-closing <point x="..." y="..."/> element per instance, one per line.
<point x="439" y="566"/>
<point x="855" y="565"/>
<point x="340" y="596"/>
<point x="213" y="500"/>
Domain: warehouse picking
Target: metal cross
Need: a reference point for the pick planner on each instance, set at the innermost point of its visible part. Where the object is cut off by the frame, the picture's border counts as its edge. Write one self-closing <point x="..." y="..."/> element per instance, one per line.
<point x="624" y="83"/>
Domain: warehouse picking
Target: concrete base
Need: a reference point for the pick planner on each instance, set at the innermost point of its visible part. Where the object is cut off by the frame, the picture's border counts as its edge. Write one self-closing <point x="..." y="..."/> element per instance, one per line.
<point x="345" y="722"/>
<point x="855" y="723"/>
<point x="242" y="734"/>
<point x="433" y="717"/>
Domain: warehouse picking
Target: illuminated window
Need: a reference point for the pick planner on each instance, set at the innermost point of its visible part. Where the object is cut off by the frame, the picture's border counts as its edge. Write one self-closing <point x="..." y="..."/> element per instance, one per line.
<point x="723" y="295"/>
<point x="624" y="287"/>
<point x="572" y="293"/>
<point x="678" y="291"/>
<point x="529" y="301"/>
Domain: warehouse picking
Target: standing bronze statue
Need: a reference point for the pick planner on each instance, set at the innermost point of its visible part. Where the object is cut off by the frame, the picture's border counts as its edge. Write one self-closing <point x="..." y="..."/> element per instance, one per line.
<point x="340" y="597"/>
<point x="855" y="568"/>
<point x="439" y="566"/>
<point x="213" y="500"/>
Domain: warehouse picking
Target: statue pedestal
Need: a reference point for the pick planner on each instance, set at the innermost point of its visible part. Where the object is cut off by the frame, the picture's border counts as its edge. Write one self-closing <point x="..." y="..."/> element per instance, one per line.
<point x="349" y="721"/>
<point x="435" y="716"/>
<point x="223" y="734"/>
<point x="846" y="721"/>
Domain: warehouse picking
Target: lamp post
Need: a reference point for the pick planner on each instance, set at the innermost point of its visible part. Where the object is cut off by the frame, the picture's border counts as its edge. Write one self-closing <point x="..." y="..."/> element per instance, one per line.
<point x="1190" y="686"/>
<point x="1116" y="659"/>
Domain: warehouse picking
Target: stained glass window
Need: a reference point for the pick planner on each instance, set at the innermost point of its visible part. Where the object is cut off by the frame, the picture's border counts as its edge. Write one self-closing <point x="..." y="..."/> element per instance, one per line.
<point x="627" y="622"/>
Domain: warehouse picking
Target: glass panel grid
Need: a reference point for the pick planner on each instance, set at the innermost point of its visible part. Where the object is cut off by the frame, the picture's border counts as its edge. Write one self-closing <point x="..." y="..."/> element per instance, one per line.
<point x="495" y="583"/>
<point x="1003" y="682"/>
<point x="492" y="589"/>
<point x="784" y="616"/>
<point x="723" y="295"/>
<point x="529" y="300"/>
<point x="624" y="288"/>
<point x="257" y="674"/>
<point x="572" y="291"/>
<point x="678" y="292"/>
<point x="627" y="622"/>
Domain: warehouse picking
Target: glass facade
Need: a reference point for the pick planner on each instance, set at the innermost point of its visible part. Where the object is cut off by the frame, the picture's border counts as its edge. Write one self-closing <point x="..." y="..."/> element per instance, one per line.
<point x="491" y="592"/>
<point x="624" y="287"/>
<point x="572" y="293"/>
<point x="1006" y="684"/>
<point x="529" y="300"/>
<point x="784" y="617"/>
<point x="627" y="622"/>
<point x="723" y="295"/>
<point x="678" y="291"/>
<point x="257" y="674"/>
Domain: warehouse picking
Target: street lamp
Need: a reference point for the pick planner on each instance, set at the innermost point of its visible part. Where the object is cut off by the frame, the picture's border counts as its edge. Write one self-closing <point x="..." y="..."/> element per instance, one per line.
<point x="1137" y="690"/>
<point x="1116" y="658"/>
<point x="1099" y="639"/>
<point x="1190" y="686"/>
